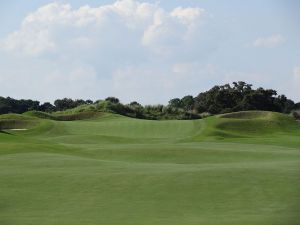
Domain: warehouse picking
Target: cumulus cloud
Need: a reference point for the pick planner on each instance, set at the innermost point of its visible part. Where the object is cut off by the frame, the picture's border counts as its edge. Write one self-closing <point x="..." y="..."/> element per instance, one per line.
<point x="172" y="30"/>
<point x="269" y="42"/>
<point x="51" y="27"/>
<point x="121" y="49"/>
<point x="29" y="42"/>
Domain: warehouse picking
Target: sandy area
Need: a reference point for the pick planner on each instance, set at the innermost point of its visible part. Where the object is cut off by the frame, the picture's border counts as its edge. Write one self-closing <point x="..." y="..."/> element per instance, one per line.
<point x="18" y="129"/>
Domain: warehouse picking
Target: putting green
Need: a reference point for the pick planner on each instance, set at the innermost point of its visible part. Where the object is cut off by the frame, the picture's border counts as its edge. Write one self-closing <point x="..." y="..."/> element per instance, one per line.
<point x="234" y="169"/>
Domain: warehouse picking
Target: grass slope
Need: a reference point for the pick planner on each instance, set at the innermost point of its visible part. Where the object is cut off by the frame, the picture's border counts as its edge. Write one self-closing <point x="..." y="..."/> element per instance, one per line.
<point x="232" y="169"/>
<point x="63" y="116"/>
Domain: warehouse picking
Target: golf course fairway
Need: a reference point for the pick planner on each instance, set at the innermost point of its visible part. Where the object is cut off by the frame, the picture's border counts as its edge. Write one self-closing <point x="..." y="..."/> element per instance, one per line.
<point x="232" y="169"/>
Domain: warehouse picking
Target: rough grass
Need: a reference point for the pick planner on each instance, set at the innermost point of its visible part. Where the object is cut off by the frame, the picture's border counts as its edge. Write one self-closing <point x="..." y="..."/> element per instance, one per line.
<point x="248" y="115"/>
<point x="16" y="121"/>
<point x="115" y="170"/>
<point x="250" y="124"/>
<point x="64" y="116"/>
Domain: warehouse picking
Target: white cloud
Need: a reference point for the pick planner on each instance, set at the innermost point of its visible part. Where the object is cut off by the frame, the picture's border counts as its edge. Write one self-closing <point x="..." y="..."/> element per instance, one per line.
<point x="53" y="25"/>
<point x="132" y="50"/>
<point x="188" y="16"/>
<point x="173" y="30"/>
<point x="126" y="49"/>
<point x="269" y="42"/>
<point x="29" y="42"/>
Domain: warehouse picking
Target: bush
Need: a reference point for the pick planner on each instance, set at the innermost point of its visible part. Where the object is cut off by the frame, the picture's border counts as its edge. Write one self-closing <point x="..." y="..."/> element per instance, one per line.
<point x="296" y="115"/>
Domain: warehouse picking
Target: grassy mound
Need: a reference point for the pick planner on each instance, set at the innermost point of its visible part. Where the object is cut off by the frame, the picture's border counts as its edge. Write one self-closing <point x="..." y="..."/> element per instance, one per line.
<point x="232" y="125"/>
<point x="248" y="115"/>
<point x="41" y="115"/>
<point x="257" y="123"/>
<point x="248" y="124"/>
<point x="16" y="121"/>
<point x="65" y="115"/>
<point x="76" y="116"/>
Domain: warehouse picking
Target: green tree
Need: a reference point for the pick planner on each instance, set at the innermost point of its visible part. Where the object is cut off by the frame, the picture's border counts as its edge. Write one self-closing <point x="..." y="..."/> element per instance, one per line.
<point x="188" y="102"/>
<point x="112" y="100"/>
<point x="175" y="102"/>
<point x="47" y="107"/>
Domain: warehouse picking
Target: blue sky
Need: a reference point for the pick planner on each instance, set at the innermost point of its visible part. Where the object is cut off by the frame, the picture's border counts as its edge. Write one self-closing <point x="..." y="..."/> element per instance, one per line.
<point x="145" y="50"/>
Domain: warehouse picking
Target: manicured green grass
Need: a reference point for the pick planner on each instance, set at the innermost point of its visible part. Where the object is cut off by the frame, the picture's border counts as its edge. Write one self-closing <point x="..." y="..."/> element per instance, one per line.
<point x="237" y="169"/>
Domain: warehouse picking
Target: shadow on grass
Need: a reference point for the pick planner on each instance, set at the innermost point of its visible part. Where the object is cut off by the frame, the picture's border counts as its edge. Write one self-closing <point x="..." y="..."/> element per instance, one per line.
<point x="5" y="132"/>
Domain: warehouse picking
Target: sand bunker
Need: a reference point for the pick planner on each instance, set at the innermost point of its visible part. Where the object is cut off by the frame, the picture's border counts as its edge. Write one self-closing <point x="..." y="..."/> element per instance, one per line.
<point x="18" y="129"/>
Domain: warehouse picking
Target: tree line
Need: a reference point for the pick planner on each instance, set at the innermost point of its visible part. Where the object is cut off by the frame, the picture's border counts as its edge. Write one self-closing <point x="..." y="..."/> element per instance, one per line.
<point x="11" y="105"/>
<point x="238" y="96"/>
